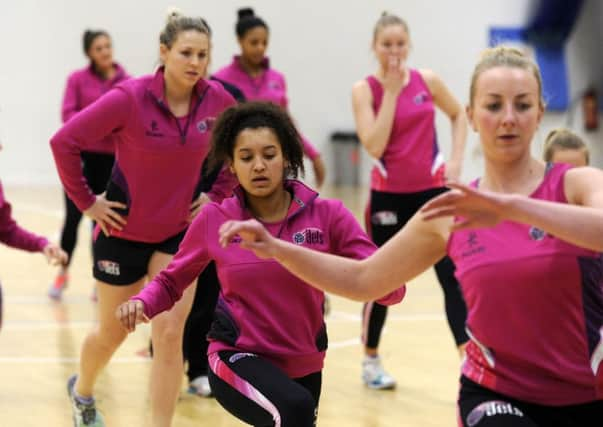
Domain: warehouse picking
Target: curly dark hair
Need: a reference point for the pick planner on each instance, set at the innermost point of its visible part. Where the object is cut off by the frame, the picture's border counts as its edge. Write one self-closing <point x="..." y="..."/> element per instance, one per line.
<point x="254" y="115"/>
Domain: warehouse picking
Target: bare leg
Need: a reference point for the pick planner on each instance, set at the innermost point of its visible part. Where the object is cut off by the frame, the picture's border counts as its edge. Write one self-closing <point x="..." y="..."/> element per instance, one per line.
<point x="100" y="344"/>
<point x="167" y="368"/>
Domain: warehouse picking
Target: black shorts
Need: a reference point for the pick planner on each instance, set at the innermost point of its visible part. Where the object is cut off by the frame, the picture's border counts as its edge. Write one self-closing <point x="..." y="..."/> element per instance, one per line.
<point x="481" y="407"/>
<point x="123" y="262"/>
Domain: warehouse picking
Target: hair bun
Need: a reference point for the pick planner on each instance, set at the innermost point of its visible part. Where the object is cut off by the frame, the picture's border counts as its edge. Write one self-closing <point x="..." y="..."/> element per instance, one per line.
<point x="245" y="12"/>
<point x="173" y="13"/>
<point x="384" y="13"/>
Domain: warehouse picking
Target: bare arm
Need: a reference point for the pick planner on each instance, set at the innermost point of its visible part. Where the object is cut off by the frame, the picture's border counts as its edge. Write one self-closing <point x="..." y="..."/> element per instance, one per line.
<point x="580" y="222"/>
<point x="446" y="102"/>
<point x="415" y="248"/>
<point x="374" y="129"/>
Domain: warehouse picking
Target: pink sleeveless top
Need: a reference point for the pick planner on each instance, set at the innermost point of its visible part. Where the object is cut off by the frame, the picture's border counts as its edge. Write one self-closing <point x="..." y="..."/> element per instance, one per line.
<point x="411" y="161"/>
<point x="535" y="309"/>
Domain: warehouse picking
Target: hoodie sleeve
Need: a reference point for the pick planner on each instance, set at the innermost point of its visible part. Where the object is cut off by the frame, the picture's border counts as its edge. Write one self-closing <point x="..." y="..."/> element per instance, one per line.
<point x="351" y="241"/>
<point x="191" y="259"/>
<point x="11" y="234"/>
<point x="84" y="131"/>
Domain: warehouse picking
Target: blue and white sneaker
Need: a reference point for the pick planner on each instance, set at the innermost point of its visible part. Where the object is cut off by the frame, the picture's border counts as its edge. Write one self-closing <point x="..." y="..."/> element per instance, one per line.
<point x="84" y="412"/>
<point x="200" y="386"/>
<point x="374" y="376"/>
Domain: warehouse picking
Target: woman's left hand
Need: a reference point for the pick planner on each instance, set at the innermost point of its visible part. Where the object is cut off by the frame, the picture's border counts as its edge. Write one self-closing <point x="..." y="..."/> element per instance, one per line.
<point x="197" y="205"/>
<point x="476" y="208"/>
<point x="55" y="255"/>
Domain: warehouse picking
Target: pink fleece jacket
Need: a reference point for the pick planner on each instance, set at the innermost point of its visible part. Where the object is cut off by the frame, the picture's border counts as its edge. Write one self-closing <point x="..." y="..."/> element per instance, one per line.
<point x="263" y="308"/>
<point x="158" y="156"/>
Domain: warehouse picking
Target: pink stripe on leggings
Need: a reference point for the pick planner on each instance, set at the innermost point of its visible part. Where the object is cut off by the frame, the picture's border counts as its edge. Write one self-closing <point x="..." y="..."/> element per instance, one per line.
<point x="223" y="371"/>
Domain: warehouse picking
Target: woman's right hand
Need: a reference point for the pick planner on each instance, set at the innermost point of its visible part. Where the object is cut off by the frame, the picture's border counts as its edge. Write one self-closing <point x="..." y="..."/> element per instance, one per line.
<point x="102" y="212"/>
<point x="395" y="76"/>
<point x="130" y="314"/>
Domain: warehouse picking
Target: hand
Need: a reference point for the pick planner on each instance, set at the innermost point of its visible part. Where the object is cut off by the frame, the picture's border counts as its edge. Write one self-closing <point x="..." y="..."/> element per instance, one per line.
<point x="55" y="255"/>
<point x="319" y="171"/>
<point x="197" y="205"/>
<point x="102" y="212"/>
<point x="395" y="76"/>
<point x="453" y="171"/>
<point x="253" y="237"/>
<point x="130" y="314"/>
<point x="476" y="208"/>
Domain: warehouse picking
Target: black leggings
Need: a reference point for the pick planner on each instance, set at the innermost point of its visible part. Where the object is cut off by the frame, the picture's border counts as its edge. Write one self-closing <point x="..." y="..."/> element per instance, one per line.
<point x="481" y="407"/>
<point x="97" y="171"/>
<point x="199" y="321"/>
<point x="260" y="394"/>
<point x="387" y="214"/>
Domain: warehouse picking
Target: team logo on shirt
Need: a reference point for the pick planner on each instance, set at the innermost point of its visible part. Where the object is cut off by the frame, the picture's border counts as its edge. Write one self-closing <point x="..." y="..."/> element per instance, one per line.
<point x="420" y="98"/>
<point x="309" y="236"/>
<point x="274" y="85"/>
<point x="491" y="409"/>
<point x="206" y="124"/>
<point x="108" y="267"/>
<point x="154" y="130"/>
<point x="472" y="245"/>
<point x="537" y="233"/>
<point x="236" y="239"/>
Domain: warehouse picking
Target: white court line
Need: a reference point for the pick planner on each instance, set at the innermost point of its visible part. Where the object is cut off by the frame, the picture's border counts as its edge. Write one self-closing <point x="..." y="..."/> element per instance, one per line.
<point x="124" y="360"/>
<point x="39" y="210"/>
<point x="340" y="316"/>
<point x="43" y="299"/>
<point x="67" y="360"/>
<point x="32" y="325"/>
<point x="343" y="344"/>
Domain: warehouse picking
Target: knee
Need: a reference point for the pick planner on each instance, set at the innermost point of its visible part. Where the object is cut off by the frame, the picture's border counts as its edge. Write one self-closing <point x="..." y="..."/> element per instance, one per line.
<point x="167" y="342"/>
<point x="300" y="411"/>
<point x="110" y="339"/>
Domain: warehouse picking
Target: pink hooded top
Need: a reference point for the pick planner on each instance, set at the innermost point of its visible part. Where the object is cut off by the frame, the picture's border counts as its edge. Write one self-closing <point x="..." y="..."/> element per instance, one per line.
<point x="158" y="156"/>
<point x="412" y="161"/>
<point x="262" y="308"/>
<point x="535" y="309"/>
<point x="268" y="86"/>
<point x="13" y="235"/>
<point x="85" y="86"/>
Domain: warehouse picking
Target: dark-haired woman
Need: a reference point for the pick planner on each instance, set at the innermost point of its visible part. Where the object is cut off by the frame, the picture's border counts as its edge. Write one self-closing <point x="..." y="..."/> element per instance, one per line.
<point x="263" y="372"/>
<point x="161" y="124"/>
<point x="85" y="86"/>
<point x="252" y="74"/>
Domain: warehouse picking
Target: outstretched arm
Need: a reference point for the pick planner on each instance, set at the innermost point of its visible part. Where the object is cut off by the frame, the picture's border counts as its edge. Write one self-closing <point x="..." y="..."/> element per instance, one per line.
<point x="580" y="222"/>
<point x="415" y="248"/>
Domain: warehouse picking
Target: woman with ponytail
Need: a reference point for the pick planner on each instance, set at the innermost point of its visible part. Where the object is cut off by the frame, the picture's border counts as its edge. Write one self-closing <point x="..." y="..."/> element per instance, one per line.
<point x="161" y="126"/>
